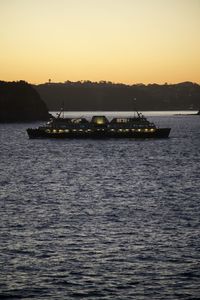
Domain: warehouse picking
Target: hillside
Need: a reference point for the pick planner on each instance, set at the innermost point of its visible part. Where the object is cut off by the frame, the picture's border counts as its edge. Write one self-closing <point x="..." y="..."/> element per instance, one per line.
<point x="20" y="102"/>
<point x="103" y="95"/>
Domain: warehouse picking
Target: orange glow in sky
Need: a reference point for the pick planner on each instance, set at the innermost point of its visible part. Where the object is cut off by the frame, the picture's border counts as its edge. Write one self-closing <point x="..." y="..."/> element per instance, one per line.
<point x="129" y="41"/>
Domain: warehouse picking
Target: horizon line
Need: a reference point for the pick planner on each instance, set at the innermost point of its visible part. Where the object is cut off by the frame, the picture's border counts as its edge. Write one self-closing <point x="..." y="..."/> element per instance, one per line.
<point x="100" y="81"/>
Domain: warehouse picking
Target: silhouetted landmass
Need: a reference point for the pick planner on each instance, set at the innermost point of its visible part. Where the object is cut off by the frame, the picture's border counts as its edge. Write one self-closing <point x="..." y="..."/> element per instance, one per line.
<point x="87" y="95"/>
<point x="20" y="102"/>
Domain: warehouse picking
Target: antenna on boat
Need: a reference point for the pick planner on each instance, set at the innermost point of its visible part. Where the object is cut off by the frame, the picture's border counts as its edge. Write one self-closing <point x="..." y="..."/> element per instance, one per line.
<point x="62" y="111"/>
<point x="134" y="105"/>
<point x="63" y="108"/>
<point x="135" y="109"/>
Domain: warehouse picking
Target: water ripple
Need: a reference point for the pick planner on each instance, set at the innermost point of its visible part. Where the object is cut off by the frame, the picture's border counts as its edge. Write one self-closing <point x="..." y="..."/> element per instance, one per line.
<point x="100" y="219"/>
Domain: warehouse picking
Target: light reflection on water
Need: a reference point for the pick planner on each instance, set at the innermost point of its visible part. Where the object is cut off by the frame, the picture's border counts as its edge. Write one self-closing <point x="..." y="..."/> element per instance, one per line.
<point x="100" y="219"/>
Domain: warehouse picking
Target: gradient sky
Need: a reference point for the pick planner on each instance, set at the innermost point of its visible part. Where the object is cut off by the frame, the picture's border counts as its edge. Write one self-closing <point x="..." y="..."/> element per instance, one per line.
<point x="129" y="41"/>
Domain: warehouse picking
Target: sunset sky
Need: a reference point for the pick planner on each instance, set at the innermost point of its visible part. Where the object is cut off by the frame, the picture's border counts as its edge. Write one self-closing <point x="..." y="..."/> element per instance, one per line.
<point x="129" y="41"/>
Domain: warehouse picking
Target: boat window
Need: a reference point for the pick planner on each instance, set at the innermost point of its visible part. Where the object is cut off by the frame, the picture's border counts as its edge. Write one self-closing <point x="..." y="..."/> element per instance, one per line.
<point x="76" y="121"/>
<point x="122" y="120"/>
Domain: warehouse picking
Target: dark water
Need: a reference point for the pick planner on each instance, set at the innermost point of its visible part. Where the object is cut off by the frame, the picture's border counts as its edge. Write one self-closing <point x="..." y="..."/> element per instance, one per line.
<point x="86" y="219"/>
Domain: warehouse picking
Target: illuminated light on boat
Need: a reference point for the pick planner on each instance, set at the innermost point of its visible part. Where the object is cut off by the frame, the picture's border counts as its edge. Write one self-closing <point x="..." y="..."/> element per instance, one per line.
<point x="99" y="120"/>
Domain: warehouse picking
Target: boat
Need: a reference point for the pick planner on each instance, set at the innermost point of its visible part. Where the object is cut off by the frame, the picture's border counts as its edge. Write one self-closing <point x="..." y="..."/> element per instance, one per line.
<point x="136" y="126"/>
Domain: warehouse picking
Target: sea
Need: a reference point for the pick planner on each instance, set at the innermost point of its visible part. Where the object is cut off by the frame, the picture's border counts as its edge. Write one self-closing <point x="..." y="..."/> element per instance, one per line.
<point x="101" y="219"/>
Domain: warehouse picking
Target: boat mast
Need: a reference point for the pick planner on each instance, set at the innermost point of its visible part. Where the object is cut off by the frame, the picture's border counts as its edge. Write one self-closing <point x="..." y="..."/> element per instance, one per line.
<point x="134" y="106"/>
<point x="63" y="107"/>
<point x="62" y="111"/>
